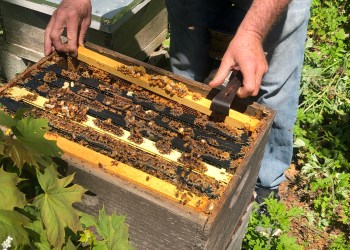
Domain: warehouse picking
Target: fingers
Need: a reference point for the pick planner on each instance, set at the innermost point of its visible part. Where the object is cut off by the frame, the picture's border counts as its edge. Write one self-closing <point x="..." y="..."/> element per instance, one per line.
<point x="83" y="29"/>
<point x="48" y="49"/>
<point x="57" y="30"/>
<point x="262" y="69"/>
<point x="252" y="77"/>
<point x="249" y="82"/>
<point x="72" y="34"/>
<point x="252" y="71"/>
<point x="244" y="53"/>
<point x="221" y="75"/>
<point x="76" y="17"/>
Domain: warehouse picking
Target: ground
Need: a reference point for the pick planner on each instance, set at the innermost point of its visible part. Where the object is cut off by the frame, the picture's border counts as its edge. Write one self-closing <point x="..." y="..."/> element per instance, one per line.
<point x="302" y="227"/>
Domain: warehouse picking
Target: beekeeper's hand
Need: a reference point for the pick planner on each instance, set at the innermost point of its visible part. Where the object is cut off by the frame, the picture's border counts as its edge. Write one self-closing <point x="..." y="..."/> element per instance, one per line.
<point x="75" y="16"/>
<point x="245" y="52"/>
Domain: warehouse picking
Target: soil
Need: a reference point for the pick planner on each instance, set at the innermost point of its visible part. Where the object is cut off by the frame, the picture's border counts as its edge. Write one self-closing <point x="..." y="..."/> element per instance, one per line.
<point x="307" y="234"/>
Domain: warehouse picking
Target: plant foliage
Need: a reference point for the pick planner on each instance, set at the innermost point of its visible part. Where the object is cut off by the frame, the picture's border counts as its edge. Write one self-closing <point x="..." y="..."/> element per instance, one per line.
<point x="322" y="130"/>
<point x="24" y="142"/>
<point x="36" y="209"/>
<point x="55" y="205"/>
<point x="323" y="122"/>
<point x="270" y="230"/>
<point x="111" y="229"/>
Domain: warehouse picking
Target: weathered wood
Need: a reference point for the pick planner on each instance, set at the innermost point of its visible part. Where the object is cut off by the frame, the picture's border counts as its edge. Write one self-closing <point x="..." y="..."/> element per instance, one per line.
<point x="154" y="223"/>
<point x="238" y="194"/>
<point x="214" y="236"/>
<point x="24" y="27"/>
<point x="139" y="36"/>
<point x="22" y="52"/>
<point x="203" y="105"/>
<point x="24" y="74"/>
<point x="142" y="33"/>
<point x="156" y="219"/>
<point x="152" y="46"/>
<point x="10" y="64"/>
<point x="238" y="234"/>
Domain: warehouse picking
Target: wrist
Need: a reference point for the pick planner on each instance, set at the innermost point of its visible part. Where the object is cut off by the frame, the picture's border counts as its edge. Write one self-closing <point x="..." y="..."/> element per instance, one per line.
<point x="249" y="34"/>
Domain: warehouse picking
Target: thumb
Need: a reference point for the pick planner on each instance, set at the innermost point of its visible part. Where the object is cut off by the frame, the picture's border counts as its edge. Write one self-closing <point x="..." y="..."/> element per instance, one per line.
<point x="220" y="75"/>
<point x="83" y="30"/>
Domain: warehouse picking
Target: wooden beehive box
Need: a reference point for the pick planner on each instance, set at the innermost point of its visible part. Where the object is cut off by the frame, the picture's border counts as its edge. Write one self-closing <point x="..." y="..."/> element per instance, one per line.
<point x="133" y="27"/>
<point x="146" y="145"/>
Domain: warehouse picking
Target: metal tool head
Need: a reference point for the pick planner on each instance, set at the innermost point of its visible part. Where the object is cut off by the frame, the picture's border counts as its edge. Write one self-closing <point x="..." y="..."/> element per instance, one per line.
<point x="221" y="103"/>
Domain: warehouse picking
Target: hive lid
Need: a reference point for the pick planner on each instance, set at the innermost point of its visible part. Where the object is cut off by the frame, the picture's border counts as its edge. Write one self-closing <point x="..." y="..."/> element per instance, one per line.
<point x="107" y="15"/>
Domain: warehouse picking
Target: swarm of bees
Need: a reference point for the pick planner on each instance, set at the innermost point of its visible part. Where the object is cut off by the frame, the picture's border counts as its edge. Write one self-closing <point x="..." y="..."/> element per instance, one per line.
<point x="31" y="97"/>
<point x="107" y="125"/>
<point x="164" y="146"/>
<point x="88" y="93"/>
<point x="134" y="71"/>
<point x="169" y="85"/>
<point x="177" y="111"/>
<point x="192" y="162"/>
<point x="201" y="120"/>
<point x="44" y="87"/>
<point x="70" y="74"/>
<point x="143" y="114"/>
<point x="196" y="96"/>
<point x="67" y="104"/>
<point x="50" y="76"/>
<point x="163" y="82"/>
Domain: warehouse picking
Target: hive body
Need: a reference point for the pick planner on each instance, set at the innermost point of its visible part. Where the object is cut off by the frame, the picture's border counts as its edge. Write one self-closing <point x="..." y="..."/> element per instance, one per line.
<point x="145" y="143"/>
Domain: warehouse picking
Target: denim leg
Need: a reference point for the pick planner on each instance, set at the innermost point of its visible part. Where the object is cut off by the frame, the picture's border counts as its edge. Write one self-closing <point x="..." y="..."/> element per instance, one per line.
<point x="189" y="40"/>
<point x="189" y="21"/>
<point x="280" y="89"/>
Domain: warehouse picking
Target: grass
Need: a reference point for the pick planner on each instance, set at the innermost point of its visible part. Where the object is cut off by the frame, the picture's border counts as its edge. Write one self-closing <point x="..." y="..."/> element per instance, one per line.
<point x="322" y="135"/>
<point x="320" y="189"/>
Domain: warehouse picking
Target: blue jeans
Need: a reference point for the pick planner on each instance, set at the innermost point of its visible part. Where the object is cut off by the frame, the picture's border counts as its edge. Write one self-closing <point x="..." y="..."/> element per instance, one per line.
<point x="189" y="45"/>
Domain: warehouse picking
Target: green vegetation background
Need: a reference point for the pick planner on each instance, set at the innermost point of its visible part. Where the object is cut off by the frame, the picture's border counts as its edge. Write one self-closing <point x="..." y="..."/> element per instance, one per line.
<point x="322" y="138"/>
<point x="322" y="153"/>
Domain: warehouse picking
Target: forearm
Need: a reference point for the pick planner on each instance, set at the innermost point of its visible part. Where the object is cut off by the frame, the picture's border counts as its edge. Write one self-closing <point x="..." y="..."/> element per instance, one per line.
<point x="261" y="16"/>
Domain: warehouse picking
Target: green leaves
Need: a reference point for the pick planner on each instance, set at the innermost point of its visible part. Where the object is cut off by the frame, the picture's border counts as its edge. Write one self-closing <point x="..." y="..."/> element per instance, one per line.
<point x="323" y="117"/>
<point x="270" y="231"/>
<point x="39" y="236"/>
<point x="24" y="140"/>
<point x="111" y="228"/>
<point x="31" y="132"/>
<point x="47" y="221"/>
<point x="55" y="205"/>
<point x="10" y="196"/>
<point x="6" y="120"/>
<point x="12" y="224"/>
<point x="280" y="216"/>
<point x="19" y="153"/>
